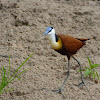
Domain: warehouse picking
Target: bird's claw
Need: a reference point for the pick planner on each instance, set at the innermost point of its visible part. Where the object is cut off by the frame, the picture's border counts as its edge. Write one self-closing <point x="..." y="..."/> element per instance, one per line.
<point x="83" y="83"/>
<point x="80" y="85"/>
<point x="59" y="91"/>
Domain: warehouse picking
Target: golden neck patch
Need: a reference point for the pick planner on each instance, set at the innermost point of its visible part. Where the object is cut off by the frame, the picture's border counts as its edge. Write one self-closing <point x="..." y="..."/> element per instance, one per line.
<point x="56" y="45"/>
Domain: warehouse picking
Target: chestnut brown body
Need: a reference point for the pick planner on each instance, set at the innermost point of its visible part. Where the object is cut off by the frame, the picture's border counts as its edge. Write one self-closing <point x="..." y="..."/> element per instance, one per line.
<point x="70" y="45"/>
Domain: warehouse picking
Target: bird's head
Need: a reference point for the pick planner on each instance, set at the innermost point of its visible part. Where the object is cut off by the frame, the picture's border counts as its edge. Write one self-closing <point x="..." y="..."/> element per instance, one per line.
<point x="49" y="31"/>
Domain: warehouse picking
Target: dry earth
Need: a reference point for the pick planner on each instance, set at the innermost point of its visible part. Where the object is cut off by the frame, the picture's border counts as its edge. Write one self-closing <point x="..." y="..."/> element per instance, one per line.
<point x="22" y="23"/>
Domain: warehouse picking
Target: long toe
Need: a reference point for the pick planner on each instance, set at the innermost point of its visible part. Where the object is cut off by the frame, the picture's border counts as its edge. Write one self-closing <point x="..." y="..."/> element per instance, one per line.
<point x="80" y="85"/>
<point x="59" y="91"/>
<point x="83" y="83"/>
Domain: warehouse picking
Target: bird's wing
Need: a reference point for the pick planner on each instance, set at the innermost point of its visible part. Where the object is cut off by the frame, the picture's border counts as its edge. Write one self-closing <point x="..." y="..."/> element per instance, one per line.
<point x="82" y="39"/>
<point x="70" y="44"/>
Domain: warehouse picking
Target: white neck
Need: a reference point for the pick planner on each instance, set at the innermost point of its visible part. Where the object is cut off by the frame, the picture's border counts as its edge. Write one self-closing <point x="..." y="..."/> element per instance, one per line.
<point x="55" y="45"/>
<point x="51" y="36"/>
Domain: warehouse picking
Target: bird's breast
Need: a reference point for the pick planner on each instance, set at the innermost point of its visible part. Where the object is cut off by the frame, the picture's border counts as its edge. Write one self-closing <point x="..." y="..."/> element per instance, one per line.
<point x="56" y="45"/>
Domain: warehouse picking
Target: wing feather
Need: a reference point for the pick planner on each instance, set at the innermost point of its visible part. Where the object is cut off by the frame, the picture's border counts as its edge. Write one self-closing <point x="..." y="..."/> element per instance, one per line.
<point x="71" y="44"/>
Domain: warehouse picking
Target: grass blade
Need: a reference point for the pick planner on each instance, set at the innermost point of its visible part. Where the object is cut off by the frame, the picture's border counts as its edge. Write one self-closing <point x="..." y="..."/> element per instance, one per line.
<point x="87" y="68"/>
<point x="87" y="72"/>
<point x="20" y="67"/>
<point x="4" y="75"/>
<point x="97" y="75"/>
<point x="94" y="75"/>
<point x="82" y="70"/>
<point x="8" y="90"/>
<point x="96" y="65"/>
<point x="1" y="72"/>
<point x="18" y="75"/>
<point x="89" y="62"/>
<point x="5" y="91"/>
<point x="4" y="72"/>
<point x="4" y="80"/>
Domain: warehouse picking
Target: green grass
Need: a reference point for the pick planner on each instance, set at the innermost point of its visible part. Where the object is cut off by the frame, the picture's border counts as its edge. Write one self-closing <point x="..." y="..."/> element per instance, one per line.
<point x="6" y="79"/>
<point x="91" y="71"/>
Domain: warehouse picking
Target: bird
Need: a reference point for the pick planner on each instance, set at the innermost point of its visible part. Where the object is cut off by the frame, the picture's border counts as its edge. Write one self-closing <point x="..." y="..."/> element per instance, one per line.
<point x="68" y="46"/>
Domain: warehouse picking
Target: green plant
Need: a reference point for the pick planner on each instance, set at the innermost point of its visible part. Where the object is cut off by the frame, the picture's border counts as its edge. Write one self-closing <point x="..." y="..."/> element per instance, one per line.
<point x="5" y="80"/>
<point x="91" y="70"/>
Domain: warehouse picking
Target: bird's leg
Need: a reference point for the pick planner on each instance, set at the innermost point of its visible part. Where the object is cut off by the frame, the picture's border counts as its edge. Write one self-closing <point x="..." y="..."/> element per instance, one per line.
<point x="83" y="82"/>
<point x="68" y="74"/>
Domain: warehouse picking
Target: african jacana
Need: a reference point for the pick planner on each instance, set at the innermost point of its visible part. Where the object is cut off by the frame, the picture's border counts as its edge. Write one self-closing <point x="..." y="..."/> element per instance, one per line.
<point x="66" y="45"/>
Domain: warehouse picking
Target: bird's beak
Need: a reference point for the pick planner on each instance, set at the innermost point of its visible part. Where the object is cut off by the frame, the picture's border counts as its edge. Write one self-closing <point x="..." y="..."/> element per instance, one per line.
<point x="45" y="33"/>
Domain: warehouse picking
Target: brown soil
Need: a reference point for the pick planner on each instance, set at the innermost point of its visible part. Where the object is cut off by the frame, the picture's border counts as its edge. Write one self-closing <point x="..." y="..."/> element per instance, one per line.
<point x="22" y="23"/>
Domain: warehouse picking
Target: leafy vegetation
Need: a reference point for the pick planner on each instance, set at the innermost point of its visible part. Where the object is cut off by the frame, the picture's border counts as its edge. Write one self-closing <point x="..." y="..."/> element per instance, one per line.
<point x="91" y="70"/>
<point x="5" y="80"/>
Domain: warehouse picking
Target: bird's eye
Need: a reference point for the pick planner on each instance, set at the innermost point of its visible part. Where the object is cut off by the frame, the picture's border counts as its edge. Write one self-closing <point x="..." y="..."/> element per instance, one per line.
<point x="51" y="29"/>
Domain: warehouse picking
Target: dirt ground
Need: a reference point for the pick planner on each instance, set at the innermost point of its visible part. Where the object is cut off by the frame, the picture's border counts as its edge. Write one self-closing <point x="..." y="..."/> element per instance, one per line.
<point x="22" y="23"/>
